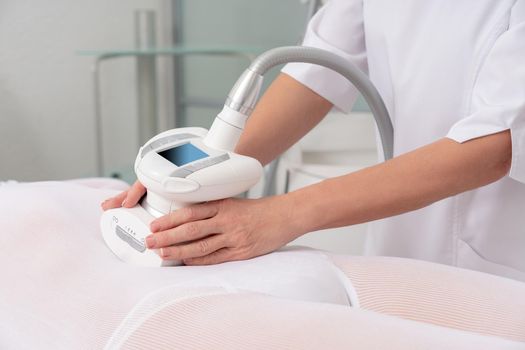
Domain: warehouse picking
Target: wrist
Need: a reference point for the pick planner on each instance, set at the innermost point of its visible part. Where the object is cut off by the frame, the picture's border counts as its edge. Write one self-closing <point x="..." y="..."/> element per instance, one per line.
<point x="284" y="212"/>
<point x="305" y="211"/>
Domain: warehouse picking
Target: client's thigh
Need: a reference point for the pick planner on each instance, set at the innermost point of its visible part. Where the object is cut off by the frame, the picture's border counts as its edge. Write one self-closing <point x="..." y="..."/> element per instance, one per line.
<point x="438" y="294"/>
<point x="217" y="319"/>
<point x="60" y="288"/>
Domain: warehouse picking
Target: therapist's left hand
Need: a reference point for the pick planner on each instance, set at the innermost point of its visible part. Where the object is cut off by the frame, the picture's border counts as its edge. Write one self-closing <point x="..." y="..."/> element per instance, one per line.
<point x="223" y="230"/>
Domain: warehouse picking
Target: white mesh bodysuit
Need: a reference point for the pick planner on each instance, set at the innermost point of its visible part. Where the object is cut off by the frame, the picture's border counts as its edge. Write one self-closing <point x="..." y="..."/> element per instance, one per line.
<point x="61" y="288"/>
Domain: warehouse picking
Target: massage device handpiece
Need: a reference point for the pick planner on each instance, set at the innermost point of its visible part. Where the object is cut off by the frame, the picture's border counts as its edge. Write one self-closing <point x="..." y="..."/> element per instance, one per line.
<point x="178" y="169"/>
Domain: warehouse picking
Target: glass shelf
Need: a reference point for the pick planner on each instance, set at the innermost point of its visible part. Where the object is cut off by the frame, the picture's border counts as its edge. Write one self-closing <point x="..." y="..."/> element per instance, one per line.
<point x="250" y="52"/>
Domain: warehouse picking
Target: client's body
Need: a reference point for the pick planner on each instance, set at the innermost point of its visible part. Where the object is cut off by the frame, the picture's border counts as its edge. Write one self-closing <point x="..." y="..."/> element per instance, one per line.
<point x="62" y="288"/>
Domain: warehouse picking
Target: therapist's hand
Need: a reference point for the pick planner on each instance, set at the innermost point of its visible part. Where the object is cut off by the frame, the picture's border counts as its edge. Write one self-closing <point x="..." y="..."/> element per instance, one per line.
<point x="224" y="230"/>
<point x="126" y="199"/>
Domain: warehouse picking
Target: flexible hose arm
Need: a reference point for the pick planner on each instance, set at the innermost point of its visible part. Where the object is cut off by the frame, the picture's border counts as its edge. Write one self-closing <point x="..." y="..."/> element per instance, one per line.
<point x="287" y="54"/>
<point x="244" y="94"/>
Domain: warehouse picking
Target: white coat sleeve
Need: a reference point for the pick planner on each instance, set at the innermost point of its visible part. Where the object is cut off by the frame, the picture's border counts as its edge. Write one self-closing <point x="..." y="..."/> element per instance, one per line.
<point x="338" y="28"/>
<point x="498" y="96"/>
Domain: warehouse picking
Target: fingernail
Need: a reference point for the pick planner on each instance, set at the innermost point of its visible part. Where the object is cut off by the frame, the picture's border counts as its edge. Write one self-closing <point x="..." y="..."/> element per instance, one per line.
<point x="124" y="202"/>
<point x="154" y="227"/>
<point x="150" y="241"/>
<point x="163" y="252"/>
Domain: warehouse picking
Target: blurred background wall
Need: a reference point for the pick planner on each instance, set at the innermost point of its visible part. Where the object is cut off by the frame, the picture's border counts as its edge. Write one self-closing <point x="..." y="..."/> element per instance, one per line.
<point x="230" y="23"/>
<point x="46" y="89"/>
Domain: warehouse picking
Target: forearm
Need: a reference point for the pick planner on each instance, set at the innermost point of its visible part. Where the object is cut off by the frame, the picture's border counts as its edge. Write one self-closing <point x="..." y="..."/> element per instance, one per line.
<point x="405" y="183"/>
<point x="286" y="112"/>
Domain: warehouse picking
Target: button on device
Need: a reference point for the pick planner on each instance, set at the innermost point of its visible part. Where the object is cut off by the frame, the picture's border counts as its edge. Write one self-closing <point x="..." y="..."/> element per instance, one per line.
<point x="208" y="162"/>
<point x="179" y="185"/>
<point x="129" y="239"/>
<point x="198" y="165"/>
<point x="181" y="172"/>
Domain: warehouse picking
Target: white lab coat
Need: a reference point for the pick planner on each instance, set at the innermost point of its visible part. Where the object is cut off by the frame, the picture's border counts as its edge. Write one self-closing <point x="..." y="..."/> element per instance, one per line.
<point x="445" y="68"/>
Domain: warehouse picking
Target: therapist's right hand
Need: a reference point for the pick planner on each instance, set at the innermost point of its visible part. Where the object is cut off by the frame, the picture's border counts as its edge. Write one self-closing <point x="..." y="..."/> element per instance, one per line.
<point x="126" y="199"/>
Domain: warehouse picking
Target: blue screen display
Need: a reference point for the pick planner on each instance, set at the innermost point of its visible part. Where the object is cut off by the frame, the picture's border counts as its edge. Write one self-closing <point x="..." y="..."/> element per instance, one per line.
<point x="184" y="154"/>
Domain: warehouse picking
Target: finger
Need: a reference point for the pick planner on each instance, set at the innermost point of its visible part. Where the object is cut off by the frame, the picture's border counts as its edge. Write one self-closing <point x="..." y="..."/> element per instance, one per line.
<point x="184" y="215"/>
<point x="217" y="257"/>
<point x="199" y="248"/>
<point x="181" y="234"/>
<point x="114" y="202"/>
<point x="135" y="193"/>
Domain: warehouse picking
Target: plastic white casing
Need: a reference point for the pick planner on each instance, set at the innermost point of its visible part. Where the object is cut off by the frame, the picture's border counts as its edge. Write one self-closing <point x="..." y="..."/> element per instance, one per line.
<point x="125" y="230"/>
<point x="169" y="187"/>
<point x="226" y="129"/>
<point x="221" y="180"/>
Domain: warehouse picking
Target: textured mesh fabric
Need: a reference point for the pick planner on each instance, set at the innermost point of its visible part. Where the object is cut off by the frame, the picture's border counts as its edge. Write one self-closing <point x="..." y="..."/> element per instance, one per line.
<point x="61" y="288"/>
<point x="253" y="321"/>
<point x="438" y="294"/>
